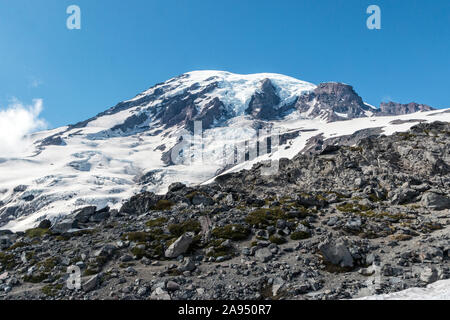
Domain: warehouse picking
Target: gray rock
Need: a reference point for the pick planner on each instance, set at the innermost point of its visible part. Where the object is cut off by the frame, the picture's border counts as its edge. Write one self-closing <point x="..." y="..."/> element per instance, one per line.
<point x="188" y="265"/>
<point x="92" y="283"/>
<point x="201" y="199"/>
<point x="336" y="252"/>
<point x="281" y="223"/>
<point x="435" y="201"/>
<point x="45" y="224"/>
<point x="142" y="291"/>
<point x="394" y="108"/>
<point x="99" y="216"/>
<point x="83" y="214"/>
<point x="126" y="258"/>
<point x="354" y="224"/>
<point x="429" y="275"/>
<point x="403" y="195"/>
<point x="5" y="242"/>
<point x="263" y="254"/>
<point x="160" y="294"/>
<point x="332" y="221"/>
<point x="180" y="246"/>
<point x="106" y="251"/>
<point x="277" y="285"/>
<point x="177" y="186"/>
<point x="302" y="228"/>
<point x="65" y="225"/>
<point x="172" y="286"/>
<point x="5" y="232"/>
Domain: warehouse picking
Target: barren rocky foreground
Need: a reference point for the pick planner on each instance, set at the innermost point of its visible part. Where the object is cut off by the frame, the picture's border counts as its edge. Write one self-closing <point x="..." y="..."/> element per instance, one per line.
<point x="337" y="223"/>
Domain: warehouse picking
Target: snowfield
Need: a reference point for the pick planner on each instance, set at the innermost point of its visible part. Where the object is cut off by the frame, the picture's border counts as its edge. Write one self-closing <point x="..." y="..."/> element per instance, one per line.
<point x="439" y="290"/>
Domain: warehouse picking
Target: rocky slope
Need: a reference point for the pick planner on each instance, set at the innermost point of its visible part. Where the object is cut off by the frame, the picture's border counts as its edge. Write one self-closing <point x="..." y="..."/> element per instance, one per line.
<point x="129" y="148"/>
<point x="342" y="222"/>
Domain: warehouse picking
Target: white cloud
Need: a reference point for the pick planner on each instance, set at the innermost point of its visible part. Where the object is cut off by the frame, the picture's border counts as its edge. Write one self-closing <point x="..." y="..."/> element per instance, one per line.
<point x="17" y="121"/>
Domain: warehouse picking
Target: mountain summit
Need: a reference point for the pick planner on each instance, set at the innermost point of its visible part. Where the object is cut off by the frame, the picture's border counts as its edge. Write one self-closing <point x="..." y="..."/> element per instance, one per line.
<point x="214" y="97"/>
<point x="130" y="147"/>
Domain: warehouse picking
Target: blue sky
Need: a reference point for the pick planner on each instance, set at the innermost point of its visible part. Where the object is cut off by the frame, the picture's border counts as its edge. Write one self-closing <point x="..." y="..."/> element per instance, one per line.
<point x="124" y="47"/>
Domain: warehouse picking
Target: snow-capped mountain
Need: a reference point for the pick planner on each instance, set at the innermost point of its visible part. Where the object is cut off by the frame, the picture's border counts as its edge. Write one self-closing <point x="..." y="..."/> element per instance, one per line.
<point x="140" y="144"/>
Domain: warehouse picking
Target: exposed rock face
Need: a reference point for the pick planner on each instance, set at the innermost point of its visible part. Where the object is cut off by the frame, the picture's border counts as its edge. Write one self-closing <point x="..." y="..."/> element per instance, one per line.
<point x="213" y="112"/>
<point x="132" y="123"/>
<point x="263" y="104"/>
<point x="45" y="224"/>
<point x="182" y="109"/>
<point x="394" y="108"/>
<point x="319" y="145"/>
<point x="54" y="140"/>
<point x="84" y="214"/>
<point x="140" y="203"/>
<point x="332" y="102"/>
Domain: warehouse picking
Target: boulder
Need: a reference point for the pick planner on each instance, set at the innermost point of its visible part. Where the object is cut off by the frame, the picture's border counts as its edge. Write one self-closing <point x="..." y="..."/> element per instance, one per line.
<point x="5" y="242"/>
<point x="5" y="232"/>
<point x="187" y="265"/>
<point x="354" y="224"/>
<point x="106" y="251"/>
<point x="302" y="228"/>
<point x="202" y="199"/>
<point x="177" y="186"/>
<point x="403" y="195"/>
<point x="172" y="286"/>
<point x="435" y="201"/>
<point x="336" y="252"/>
<point x="180" y="246"/>
<point x="65" y="225"/>
<point x="160" y="294"/>
<point x="100" y="215"/>
<point x="45" y="224"/>
<point x="429" y="275"/>
<point x="263" y="254"/>
<point x="92" y="283"/>
<point x="84" y="214"/>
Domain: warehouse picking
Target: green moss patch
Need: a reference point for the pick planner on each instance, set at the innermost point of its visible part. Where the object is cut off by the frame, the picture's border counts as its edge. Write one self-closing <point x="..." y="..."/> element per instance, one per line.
<point x="37" y="232"/>
<point x="51" y="290"/>
<point x="48" y="264"/>
<point x="277" y="239"/>
<point x="232" y="232"/>
<point x="162" y="205"/>
<point x="16" y="245"/>
<point x="265" y="216"/>
<point x="138" y="237"/>
<point x="7" y="261"/>
<point x="187" y="226"/>
<point x="219" y="250"/>
<point x="158" y="222"/>
<point x="300" y="235"/>
<point x="36" y="278"/>
<point x="352" y="208"/>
